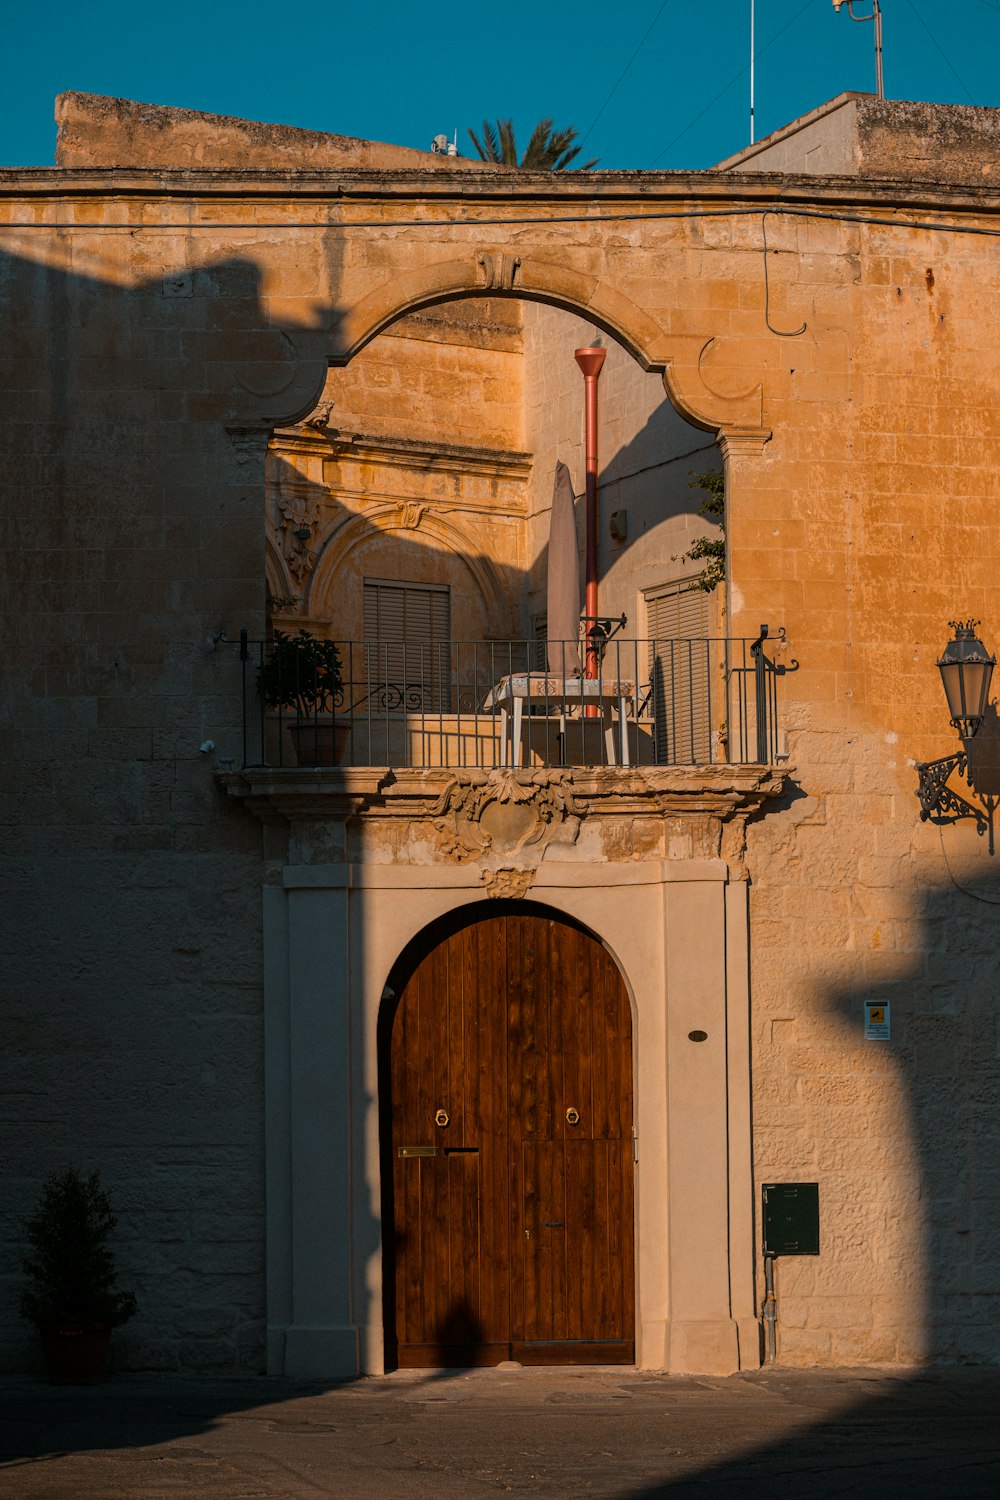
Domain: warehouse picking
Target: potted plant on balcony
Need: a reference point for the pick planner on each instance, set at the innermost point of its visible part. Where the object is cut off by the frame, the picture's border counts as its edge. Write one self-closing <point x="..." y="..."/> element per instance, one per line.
<point x="303" y="673"/>
<point x="71" y="1297"/>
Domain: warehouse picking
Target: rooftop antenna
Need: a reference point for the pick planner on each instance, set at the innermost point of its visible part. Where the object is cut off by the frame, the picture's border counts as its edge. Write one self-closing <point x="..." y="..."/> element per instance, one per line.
<point x="453" y="144"/>
<point x="751" y="70"/>
<point x="875" y="16"/>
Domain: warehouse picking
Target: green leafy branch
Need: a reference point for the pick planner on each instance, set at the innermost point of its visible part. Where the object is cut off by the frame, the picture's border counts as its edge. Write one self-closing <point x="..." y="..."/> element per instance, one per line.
<point x="709" y="549"/>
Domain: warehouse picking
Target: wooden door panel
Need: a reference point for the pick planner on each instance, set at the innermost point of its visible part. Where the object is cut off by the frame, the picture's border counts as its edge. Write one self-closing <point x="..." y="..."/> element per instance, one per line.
<point x="451" y="1210"/>
<point x="575" y="1285"/>
<point x="440" y="1318"/>
<point x="515" y="1237"/>
<point x="541" y="1288"/>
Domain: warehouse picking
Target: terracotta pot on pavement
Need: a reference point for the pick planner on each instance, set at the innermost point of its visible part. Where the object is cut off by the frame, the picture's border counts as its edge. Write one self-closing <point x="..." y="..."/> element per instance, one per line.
<point x="76" y="1356"/>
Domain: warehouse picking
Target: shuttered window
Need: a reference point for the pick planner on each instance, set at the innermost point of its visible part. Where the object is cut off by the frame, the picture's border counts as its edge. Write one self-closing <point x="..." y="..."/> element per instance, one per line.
<point x="680" y="666"/>
<point x="408" y="643"/>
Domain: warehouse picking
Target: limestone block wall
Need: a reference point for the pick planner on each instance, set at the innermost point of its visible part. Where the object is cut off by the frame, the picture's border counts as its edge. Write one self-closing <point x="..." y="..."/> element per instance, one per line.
<point x="450" y="373"/>
<point x="95" y="130"/>
<point x="895" y="140"/>
<point x="131" y="1018"/>
<point x="415" y="473"/>
<point x="866" y="524"/>
<point x="150" y="353"/>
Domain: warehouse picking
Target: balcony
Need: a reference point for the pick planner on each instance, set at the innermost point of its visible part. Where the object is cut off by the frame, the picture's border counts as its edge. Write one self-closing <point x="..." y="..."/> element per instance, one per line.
<point x="489" y="704"/>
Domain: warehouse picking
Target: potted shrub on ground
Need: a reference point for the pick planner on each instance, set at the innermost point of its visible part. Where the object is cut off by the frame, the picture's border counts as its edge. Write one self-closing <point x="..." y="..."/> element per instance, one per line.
<point x="71" y="1297"/>
<point x="303" y="673"/>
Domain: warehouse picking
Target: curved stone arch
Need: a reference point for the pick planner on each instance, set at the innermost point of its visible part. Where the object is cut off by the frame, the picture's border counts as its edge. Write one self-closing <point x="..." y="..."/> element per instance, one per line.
<point x="677" y="357"/>
<point x="460" y="544"/>
<point x="276" y="574"/>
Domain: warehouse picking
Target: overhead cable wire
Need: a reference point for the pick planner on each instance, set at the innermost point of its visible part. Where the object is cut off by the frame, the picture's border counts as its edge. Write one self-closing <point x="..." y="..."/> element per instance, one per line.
<point x="734" y="80"/>
<point x="937" y="44"/>
<point x="986" y="900"/>
<point x="624" y="70"/>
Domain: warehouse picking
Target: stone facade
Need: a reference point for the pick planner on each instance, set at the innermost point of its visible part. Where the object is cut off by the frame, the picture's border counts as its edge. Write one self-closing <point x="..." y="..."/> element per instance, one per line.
<point x="175" y="334"/>
<point x="884" y="139"/>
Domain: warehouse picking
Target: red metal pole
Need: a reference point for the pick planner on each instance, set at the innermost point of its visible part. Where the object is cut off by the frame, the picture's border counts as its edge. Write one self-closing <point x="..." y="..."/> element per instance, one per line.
<point x="590" y="361"/>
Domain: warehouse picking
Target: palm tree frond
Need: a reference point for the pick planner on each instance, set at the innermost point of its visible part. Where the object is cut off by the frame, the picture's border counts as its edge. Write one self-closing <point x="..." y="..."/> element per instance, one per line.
<point x="548" y="150"/>
<point x="537" y="155"/>
<point x="508" y="145"/>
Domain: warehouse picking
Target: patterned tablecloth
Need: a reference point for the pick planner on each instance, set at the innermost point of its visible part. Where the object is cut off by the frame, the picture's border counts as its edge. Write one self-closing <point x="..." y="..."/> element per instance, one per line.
<point x="558" y="690"/>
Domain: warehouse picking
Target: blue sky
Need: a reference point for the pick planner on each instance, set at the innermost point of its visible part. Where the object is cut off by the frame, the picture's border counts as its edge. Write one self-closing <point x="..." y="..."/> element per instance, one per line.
<point x="403" y="72"/>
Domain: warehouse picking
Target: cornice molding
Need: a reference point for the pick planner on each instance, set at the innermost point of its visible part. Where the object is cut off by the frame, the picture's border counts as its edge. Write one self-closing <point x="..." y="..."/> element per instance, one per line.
<point x="640" y="190"/>
<point x="403" y="453"/>
<point x="719" y="791"/>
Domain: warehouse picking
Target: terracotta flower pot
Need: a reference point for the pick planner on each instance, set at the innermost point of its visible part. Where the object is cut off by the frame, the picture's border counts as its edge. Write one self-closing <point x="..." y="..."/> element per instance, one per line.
<point x="76" y="1356"/>
<point x="320" y="742"/>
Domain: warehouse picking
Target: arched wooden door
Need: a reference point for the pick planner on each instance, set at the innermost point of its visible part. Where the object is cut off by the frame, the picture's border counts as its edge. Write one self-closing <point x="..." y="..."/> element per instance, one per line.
<point x="510" y="1073"/>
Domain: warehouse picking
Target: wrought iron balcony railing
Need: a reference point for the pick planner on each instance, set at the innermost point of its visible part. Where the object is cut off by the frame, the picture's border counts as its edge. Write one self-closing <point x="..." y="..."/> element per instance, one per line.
<point x="492" y="703"/>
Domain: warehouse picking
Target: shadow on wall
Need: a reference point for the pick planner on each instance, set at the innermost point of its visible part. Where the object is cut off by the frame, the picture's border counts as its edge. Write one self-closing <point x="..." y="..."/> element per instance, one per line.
<point x="135" y="421"/>
<point x="346" y="548"/>
<point x="932" y="1432"/>
<point x="644" y="484"/>
<point x="134" y="531"/>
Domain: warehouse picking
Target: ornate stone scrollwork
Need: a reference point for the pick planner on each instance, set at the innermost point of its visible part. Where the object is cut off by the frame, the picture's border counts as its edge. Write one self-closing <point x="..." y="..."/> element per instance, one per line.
<point x="499" y="270"/>
<point x="299" y="516"/>
<point x="411" y="514"/>
<point x="505" y="810"/>
<point x="507" y="883"/>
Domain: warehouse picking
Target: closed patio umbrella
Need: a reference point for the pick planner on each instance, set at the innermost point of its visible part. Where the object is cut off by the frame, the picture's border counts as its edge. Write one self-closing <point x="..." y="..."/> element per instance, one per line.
<point x="563" y="603"/>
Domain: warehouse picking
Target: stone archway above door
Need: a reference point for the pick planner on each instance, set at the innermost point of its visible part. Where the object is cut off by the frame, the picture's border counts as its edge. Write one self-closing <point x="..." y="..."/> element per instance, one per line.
<point x="683" y="359"/>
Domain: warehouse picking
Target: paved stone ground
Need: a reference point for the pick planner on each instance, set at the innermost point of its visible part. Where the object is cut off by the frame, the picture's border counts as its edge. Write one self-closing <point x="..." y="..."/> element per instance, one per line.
<point x="545" y="1433"/>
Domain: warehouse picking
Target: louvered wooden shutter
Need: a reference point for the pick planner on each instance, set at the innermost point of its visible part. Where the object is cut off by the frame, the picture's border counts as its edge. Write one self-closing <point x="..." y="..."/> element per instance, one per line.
<point x="680" y="673"/>
<point x="408" y="644"/>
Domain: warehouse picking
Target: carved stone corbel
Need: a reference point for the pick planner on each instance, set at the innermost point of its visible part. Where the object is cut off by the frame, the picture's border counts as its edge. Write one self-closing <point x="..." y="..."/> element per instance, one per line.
<point x="499" y="270"/>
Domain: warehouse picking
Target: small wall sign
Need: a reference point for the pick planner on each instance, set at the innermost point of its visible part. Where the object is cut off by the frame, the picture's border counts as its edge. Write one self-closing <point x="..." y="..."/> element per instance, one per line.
<point x="876" y="1020"/>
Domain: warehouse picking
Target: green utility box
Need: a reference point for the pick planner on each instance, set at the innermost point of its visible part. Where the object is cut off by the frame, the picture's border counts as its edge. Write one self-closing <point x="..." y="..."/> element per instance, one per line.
<point x="791" y="1218"/>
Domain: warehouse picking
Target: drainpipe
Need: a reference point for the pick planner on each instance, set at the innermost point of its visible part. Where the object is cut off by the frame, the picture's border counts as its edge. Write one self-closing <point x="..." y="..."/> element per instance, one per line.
<point x="770" y="1310"/>
<point x="590" y="361"/>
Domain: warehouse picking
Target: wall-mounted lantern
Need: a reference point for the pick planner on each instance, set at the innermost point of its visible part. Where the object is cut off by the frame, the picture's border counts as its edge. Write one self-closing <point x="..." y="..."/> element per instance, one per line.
<point x="966" y="669"/>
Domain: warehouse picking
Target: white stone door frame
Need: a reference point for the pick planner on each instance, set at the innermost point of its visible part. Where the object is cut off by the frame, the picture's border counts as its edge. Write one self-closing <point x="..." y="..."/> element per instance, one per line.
<point x="678" y="931"/>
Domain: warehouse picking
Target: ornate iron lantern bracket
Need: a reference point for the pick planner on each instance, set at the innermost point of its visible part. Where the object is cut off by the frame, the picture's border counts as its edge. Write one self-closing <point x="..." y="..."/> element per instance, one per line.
<point x="939" y="800"/>
<point x="966" y="670"/>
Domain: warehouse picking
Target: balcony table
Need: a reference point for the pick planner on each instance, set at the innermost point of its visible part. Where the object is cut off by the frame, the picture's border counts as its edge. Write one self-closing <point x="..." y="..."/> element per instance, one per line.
<point x="511" y="693"/>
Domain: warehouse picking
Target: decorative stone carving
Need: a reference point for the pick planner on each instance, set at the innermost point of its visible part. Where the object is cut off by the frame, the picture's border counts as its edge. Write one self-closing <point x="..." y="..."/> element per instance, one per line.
<point x="299" y="515"/>
<point x="510" y="820"/>
<point x="507" y="883"/>
<point x="499" y="270"/>
<point x="319" y="419"/>
<point x="505" y="810"/>
<point x="411" y="514"/>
